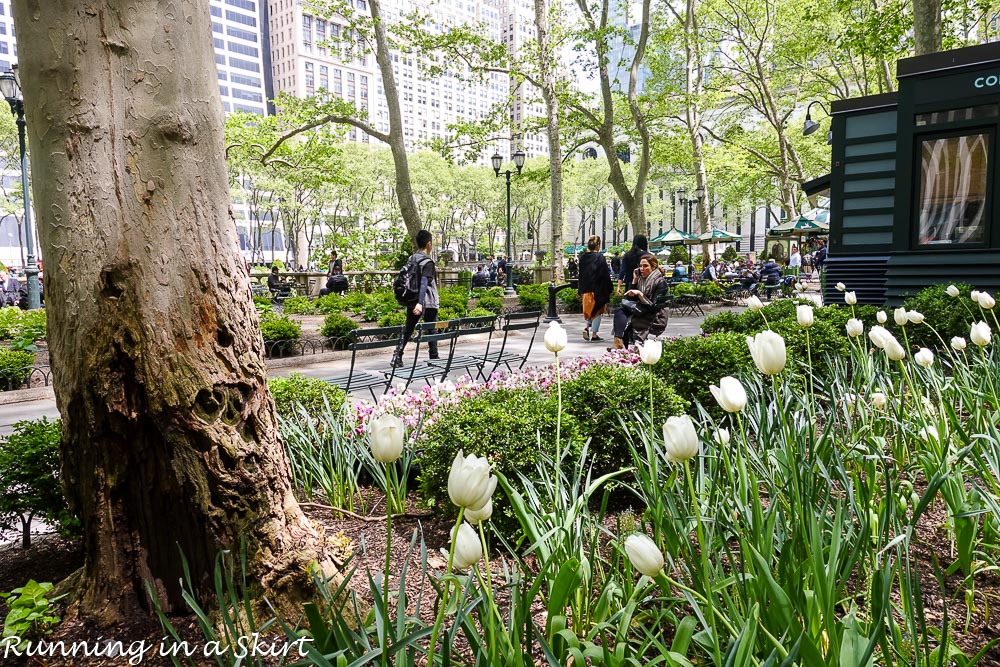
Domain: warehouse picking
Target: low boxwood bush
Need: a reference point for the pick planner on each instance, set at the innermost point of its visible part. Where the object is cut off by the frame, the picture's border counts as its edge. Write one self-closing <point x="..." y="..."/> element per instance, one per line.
<point x="506" y="427"/>
<point x="377" y="304"/>
<point x="18" y="324"/>
<point x="280" y="333"/>
<point x="298" y="305"/>
<point x="691" y="365"/>
<point x="949" y="316"/>
<point x="494" y="304"/>
<point x="337" y="325"/>
<point x="15" y="367"/>
<point x="353" y="302"/>
<point x="480" y="312"/>
<point x="329" y="303"/>
<point x="533" y="297"/>
<point x="393" y="319"/>
<point x="297" y="389"/>
<point x="455" y="299"/>
<point x="569" y="298"/>
<point x="263" y="304"/>
<point x="496" y="291"/>
<point x="602" y="394"/>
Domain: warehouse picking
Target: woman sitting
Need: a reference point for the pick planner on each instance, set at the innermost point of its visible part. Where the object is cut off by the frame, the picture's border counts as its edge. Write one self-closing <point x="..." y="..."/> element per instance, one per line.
<point x="651" y="320"/>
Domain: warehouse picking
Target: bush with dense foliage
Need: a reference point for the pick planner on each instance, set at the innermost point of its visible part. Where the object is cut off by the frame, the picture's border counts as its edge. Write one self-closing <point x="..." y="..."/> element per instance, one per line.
<point x="604" y="393"/>
<point x="377" y="304"/>
<point x="706" y="289"/>
<point x="533" y="297"/>
<point x="570" y="299"/>
<point x="297" y="389"/>
<point x="15" y="368"/>
<point x="678" y="253"/>
<point x="22" y="324"/>
<point x="263" y="304"/>
<point x="280" y="332"/>
<point x="489" y="302"/>
<point x="455" y="299"/>
<point x="690" y="365"/>
<point x="329" y="303"/>
<point x="505" y="425"/>
<point x="29" y="478"/>
<point x="298" y="305"/>
<point x="480" y="312"/>
<point x="336" y="325"/>
<point x="394" y="319"/>
<point x="950" y="316"/>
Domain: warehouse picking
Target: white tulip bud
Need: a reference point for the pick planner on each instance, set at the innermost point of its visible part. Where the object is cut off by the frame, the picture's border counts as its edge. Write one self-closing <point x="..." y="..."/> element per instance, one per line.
<point x="841" y="287"/>
<point x="881" y="317"/>
<point x="650" y="351"/>
<point x="555" y="338"/>
<point x="924" y="357"/>
<point x="754" y="303"/>
<point x="730" y="394"/>
<point x="680" y="439"/>
<point x="914" y="317"/>
<point x="476" y="516"/>
<point x="385" y="437"/>
<point x="981" y="334"/>
<point x="952" y="291"/>
<point x="878" y="336"/>
<point x="855" y="327"/>
<point x="894" y="350"/>
<point x="470" y="484"/>
<point x="850" y="399"/>
<point x="768" y="351"/>
<point x="929" y="433"/>
<point x="899" y="315"/>
<point x="958" y="343"/>
<point x="468" y="549"/>
<point x="879" y="400"/>
<point x="986" y="301"/>
<point x="643" y="554"/>
<point x="722" y="437"/>
<point x="804" y="315"/>
<point x="851" y="298"/>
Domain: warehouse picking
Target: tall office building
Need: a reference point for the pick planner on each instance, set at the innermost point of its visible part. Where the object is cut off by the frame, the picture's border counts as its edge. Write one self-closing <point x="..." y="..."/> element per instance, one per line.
<point x="239" y="33"/>
<point x="517" y="29"/>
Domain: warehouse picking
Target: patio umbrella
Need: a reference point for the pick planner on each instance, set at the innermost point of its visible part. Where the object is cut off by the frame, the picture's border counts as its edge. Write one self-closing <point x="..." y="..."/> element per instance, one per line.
<point x="802" y="226"/>
<point x="717" y="235"/>
<point x="674" y="236"/>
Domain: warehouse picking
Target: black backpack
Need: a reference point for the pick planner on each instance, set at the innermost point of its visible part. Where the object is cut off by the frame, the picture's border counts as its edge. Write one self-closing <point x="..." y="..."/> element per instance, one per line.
<point x="406" y="285"/>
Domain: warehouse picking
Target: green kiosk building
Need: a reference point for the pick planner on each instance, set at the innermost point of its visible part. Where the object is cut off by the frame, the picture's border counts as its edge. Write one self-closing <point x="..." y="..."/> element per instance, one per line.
<point x="914" y="180"/>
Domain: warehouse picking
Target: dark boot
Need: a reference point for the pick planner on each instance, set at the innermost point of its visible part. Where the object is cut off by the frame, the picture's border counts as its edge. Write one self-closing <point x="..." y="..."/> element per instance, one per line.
<point x="397" y="358"/>
<point x="432" y="351"/>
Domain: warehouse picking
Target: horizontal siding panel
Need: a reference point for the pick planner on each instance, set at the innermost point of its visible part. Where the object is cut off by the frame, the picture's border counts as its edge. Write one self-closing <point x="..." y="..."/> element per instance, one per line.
<point x="911" y="272"/>
<point x="888" y="147"/>
<point x="864" y="274"/>
<point x="869" y="166"/>
<point x="870" y="124"/>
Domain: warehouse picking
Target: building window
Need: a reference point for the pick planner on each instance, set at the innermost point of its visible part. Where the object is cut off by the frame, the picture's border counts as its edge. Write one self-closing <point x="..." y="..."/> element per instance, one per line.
<point x="236" y="17"/>
<point x="307" y="33"/>
<point x="951" y="205"/>
<point x="249" y="5"/>
<point x="243" y="49"/>
<point x="244" y="64"/>
<point x="238" y="33"/>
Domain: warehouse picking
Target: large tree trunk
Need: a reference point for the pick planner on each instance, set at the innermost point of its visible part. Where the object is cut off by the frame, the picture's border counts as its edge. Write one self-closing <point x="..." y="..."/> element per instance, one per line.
<point x="169" y="443"/>
<point x="552" y="129"/>
<point x="926" y="26"/>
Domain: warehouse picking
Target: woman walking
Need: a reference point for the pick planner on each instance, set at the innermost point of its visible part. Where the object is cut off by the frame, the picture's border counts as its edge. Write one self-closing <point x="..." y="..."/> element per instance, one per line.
<point x="594" y="287"/>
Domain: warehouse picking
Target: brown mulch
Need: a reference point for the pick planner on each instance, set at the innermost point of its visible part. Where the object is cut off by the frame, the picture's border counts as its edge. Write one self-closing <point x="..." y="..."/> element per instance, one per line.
<point x="361" y="541"/>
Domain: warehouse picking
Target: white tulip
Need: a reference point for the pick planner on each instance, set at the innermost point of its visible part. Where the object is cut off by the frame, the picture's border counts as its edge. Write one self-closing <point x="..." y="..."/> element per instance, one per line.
<point x="899" y="315"/>
<point x="952" y="291"/>
<point x="385" y="436"/>
<point x="476" y="516"/>
<point x="924" y="357"/>
<point x="730" y="394"/>
<point x="644" y="554"/>
<point x="855" y="327"/>
<point x="680" y="439"/>
<point x="754" y="303"/>
<point x="555" y="338"/>
<point x="722" y="437"/>
<point x="468" y="549"/>
<point x="768" y="351"/>
<point x="958" y="343"/>
<point x="851" y="298"/>
<point x="651" y="351"/>
<point x="893" y="349"/>
<point x="470" y="484"/>
<point x="913" y="317"/>
<point x="841" y="287"/>
<point x="804" y="314"/>
<point x="928" y="433"/>
<point x="879" y="400"/>
<point x="878" y="336"/>
<point x="986" y="301"/>
<point x="881" y="317"/>
<point x="981" y="334"/>
<point x="850" y="399"/>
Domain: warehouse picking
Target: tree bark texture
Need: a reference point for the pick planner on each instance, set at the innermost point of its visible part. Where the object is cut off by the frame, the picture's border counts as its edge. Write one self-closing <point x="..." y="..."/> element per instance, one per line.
<point x="548" y="81"/>
<point x="926" y="26"/>
<point x="169" y="443"/>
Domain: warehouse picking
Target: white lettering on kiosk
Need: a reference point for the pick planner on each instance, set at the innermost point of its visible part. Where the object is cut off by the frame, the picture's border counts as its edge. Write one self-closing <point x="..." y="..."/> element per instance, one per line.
<point x="987" y="81"/>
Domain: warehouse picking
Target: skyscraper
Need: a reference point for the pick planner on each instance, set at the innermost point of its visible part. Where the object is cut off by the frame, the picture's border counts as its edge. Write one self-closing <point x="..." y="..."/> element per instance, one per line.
<point x="239" y="34"/>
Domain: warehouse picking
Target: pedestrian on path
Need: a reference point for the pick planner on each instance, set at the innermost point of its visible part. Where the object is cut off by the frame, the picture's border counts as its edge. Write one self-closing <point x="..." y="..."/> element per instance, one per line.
<point x="594" y="287"/>
<point x="427" y="297"/>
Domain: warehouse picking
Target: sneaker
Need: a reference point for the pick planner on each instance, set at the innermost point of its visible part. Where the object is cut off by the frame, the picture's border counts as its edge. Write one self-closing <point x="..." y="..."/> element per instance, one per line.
<point x="586" y="334"/>
<point x="596" y="339"/>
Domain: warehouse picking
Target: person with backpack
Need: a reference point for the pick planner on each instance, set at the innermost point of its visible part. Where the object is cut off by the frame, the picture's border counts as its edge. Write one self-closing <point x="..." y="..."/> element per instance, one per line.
<point x="416" y="289"/>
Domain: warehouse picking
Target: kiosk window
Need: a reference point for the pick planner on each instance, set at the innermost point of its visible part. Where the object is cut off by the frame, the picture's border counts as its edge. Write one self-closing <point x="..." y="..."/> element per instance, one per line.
<point x="953" y="184"/>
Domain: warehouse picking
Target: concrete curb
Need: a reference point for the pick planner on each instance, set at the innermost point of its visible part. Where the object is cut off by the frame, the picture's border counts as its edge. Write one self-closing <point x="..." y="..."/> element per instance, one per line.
<point x="24" y="395"/>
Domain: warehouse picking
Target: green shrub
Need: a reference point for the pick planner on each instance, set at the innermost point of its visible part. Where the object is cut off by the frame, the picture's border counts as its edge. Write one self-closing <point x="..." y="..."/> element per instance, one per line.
<point x="10" y="322"/>
<point x="727" y="320"/>
<point x="569" y="298"/>
<point x="32" y="614"/>
<point x="377" y="304"/>
<point x="15" y="367"/>
<point x="447" y="314"/>
<point x="353" y="302"/>
<point x="310" y="393"/>
<point x="533" y="297"/>
<point x="683" y="289"/>
<point x="505" y="426"/>
<point x="465" y="278"/>
<point x="336" y="325"/>
<point x="455" y="299"/>
<point x="690" y="365"/>
<point x="280" y="333"/>
<point x="823" y="339"/>
<point x="29" y="478"/>
<point x="949" y="316"/>
<point x="603" y="393"/>
<point x="480" y="312"/>
<point x="491" y="303"/>
<point x="393" y="319"/>
<point x="678" y="253"/>
<point x="709" y="290"/>
<point x="730" y="254"/>
<point x="496" y="291"/>
<point x="263" y="304"/>
<point x="330" y="303"/>
<point x="298" y="305"/>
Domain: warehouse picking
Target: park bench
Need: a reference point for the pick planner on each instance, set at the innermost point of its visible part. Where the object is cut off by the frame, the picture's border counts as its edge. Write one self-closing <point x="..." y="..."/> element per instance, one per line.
<point x="526" y="321"/>
<point x="444" y="333"/>
<point x="367" y="339"/>
<point x="469" y="326"/>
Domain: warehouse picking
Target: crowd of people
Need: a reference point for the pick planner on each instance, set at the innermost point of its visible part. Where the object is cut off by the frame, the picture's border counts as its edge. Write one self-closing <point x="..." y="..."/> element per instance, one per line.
<point x="493" y="272"/>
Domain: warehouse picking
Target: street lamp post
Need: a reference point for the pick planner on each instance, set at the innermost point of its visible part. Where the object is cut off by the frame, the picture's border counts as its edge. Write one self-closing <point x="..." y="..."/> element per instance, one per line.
<point x="10" y="87"/>
<point x="497" y="160"/>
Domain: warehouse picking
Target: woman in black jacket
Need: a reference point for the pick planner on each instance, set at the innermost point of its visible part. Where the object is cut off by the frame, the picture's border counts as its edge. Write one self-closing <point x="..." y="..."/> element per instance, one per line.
<point x="594" y="287"/>
<point x="630" y="262"/>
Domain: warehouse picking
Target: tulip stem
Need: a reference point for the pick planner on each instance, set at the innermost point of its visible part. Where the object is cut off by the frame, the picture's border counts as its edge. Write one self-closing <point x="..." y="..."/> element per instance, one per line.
<point x="445" y="594"/>
<point x="702" y="547"/>
<point x="558" y="431"/>
<point x="388" y="564"/>
<point x="652" y="419"/>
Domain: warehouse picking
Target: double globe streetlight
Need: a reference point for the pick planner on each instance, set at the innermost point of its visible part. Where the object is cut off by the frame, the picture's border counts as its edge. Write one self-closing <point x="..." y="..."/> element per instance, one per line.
<point x="497" y="160"/>
<point x="10" y="87"/>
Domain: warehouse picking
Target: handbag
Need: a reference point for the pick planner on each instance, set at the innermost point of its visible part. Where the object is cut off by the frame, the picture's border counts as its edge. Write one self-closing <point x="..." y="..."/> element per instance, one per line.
<point x="632" y="307"/>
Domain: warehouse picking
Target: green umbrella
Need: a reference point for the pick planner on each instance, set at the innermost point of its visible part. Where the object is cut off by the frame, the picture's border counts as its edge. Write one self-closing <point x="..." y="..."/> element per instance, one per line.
<point x="816" y="221"/>
<point x="674" y="236"/>
<point x="719" y="236"/>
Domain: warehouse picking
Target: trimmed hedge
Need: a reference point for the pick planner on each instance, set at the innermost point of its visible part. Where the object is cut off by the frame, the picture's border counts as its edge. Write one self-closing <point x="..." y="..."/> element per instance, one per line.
<point x="297" y="389"/>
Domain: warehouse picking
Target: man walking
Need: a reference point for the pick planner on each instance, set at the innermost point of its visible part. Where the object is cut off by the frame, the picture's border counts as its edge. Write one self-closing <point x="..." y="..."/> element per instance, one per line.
<point x="427" y="298"/>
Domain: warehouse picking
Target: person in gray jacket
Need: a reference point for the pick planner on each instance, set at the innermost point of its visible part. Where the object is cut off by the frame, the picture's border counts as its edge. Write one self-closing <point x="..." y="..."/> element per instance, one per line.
<point x="427" y="298"/>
